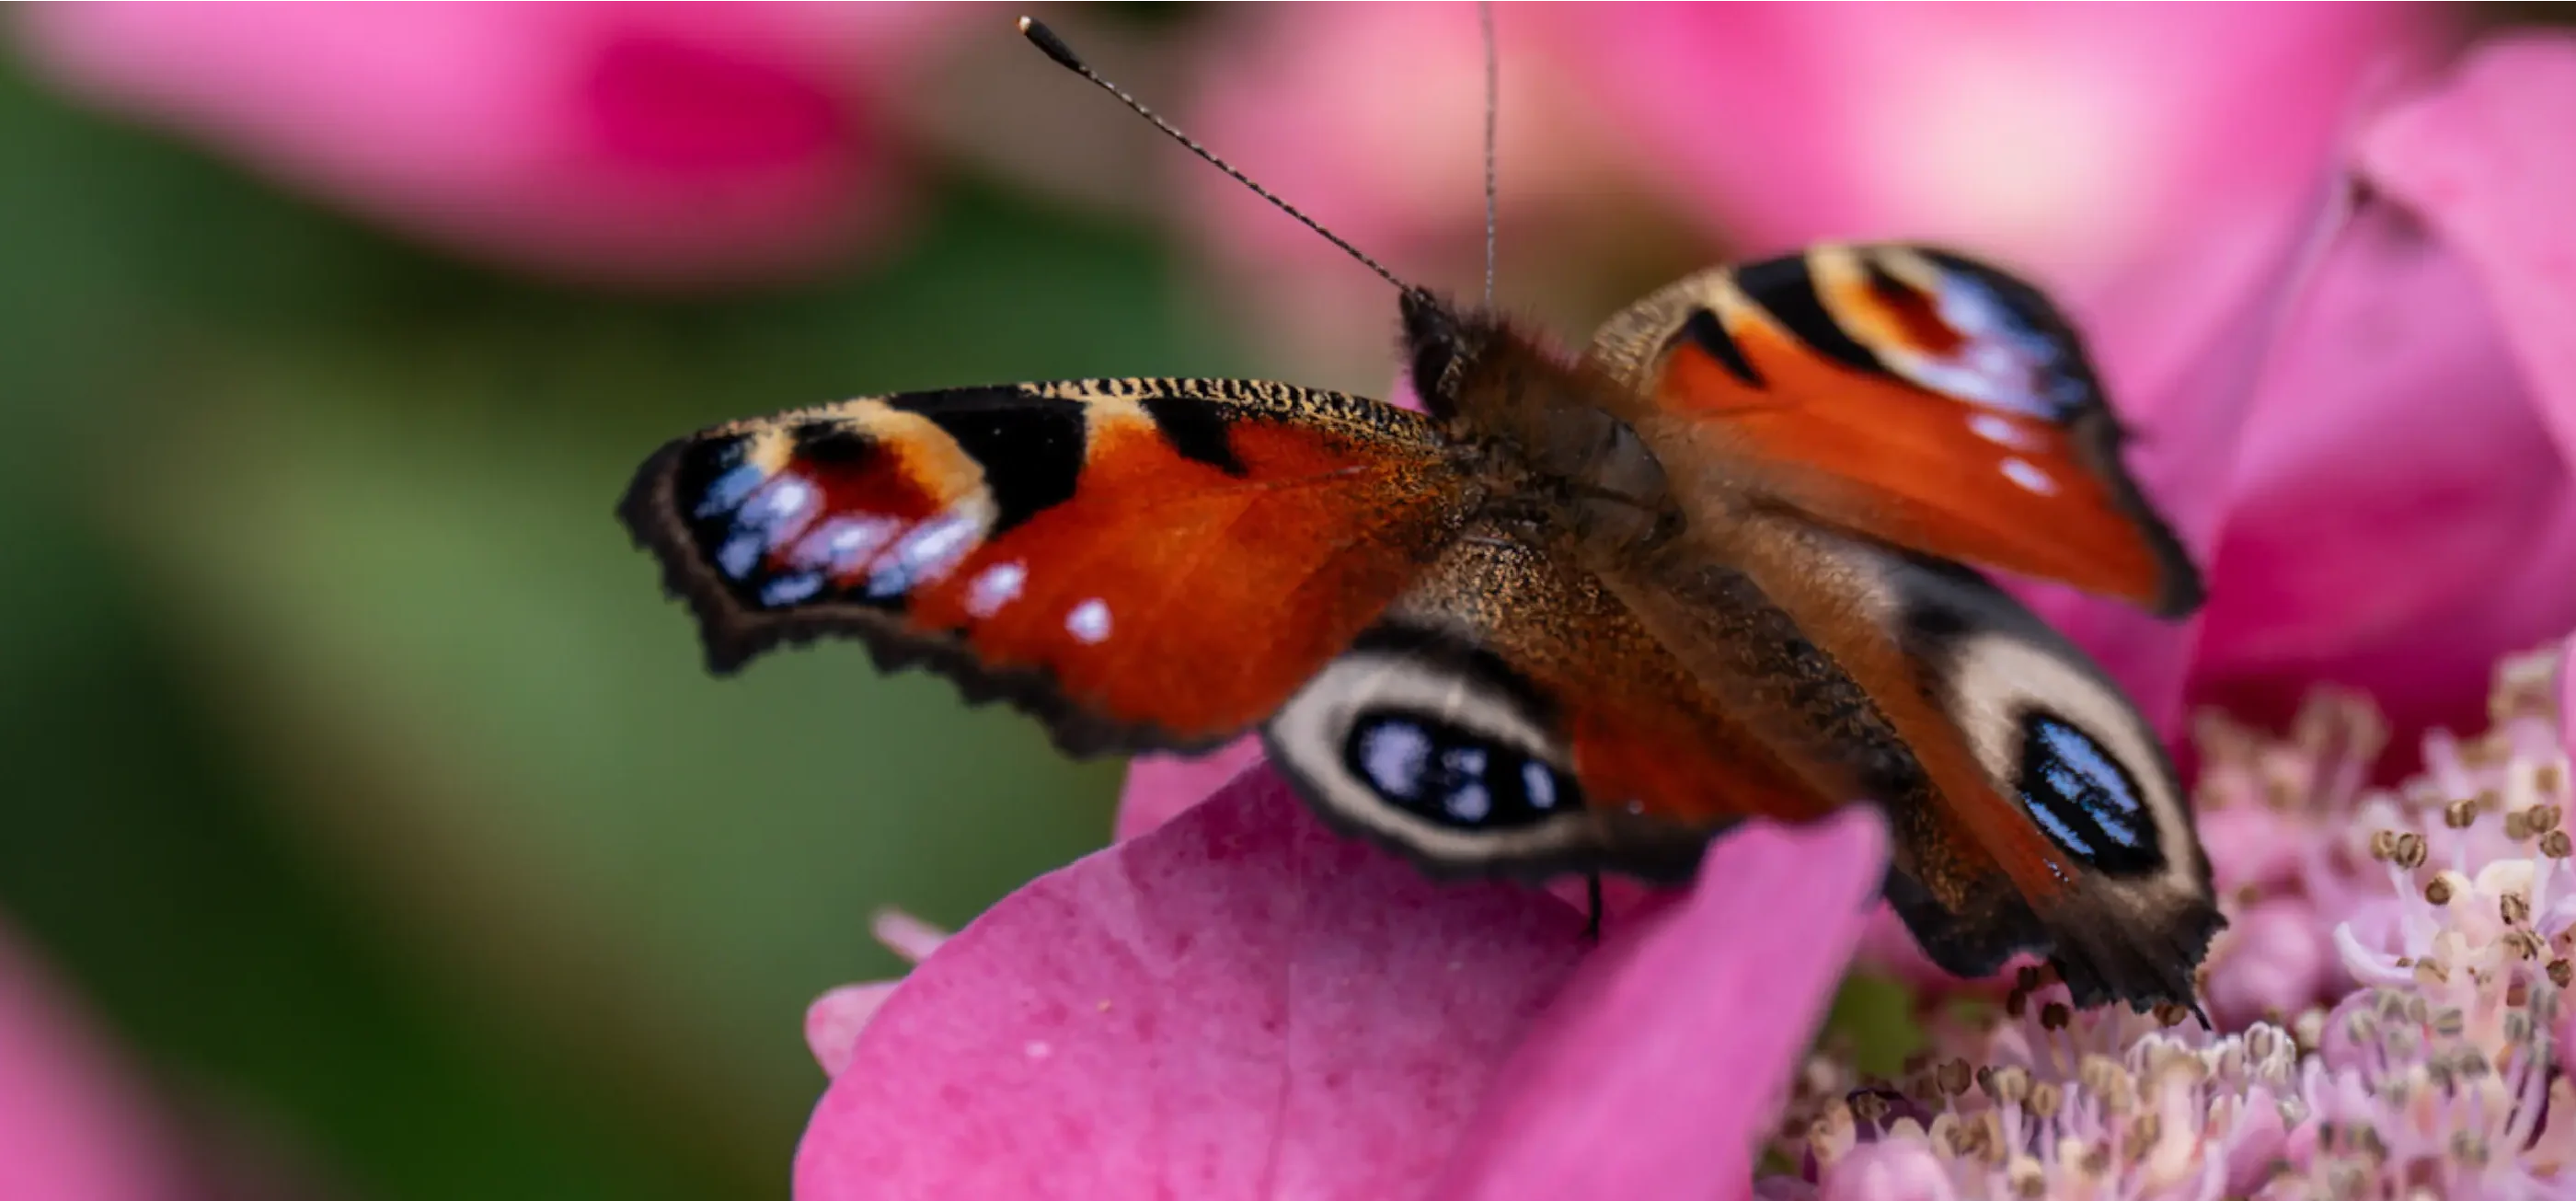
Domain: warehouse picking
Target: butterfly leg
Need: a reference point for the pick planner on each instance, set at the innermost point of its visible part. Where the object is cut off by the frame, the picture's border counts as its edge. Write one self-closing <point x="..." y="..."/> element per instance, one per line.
<point x="1592" y="908"/>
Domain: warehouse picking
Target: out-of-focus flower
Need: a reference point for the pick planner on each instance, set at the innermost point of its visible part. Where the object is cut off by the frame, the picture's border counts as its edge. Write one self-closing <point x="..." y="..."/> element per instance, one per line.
<point x="2300" y="848"/>
<point x="2452" y="915"/>
<point x="2403" y="510"/>
<point x="1242" y="1004"/>
<point x="2077" y="143"/>
<point x="1370" y="118"/>
<point x="628" y="142"/>
<point x="72" y="1125"/>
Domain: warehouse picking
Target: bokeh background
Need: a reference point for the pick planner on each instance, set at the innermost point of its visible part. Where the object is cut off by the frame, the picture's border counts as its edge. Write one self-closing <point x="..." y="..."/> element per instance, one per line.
<point x="371" y="829"/>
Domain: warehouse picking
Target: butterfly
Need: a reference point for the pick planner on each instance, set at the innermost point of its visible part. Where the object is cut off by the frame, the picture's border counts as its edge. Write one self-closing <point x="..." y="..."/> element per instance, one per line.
<point x="1581" y="613"/>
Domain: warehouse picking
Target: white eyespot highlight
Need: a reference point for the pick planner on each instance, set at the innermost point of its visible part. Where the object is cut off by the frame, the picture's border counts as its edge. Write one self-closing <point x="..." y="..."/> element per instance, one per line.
<point x="1395" y="755"/>
<point x="841" y="544"/>
<point x="1539" y="783"/>
<point x="925" y="554"/>
<point x="1089" y="621"/>
<point x="2029" y="476"/>
<point x="2000" y="431"/>
<point x="999" y="585"/>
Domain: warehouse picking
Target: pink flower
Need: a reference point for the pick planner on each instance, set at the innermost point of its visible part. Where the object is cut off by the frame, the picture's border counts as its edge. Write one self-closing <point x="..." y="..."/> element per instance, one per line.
<point x="2403" y="510"/>
<point x="1242" y="1004"/>
<point x="625" y="142"/>
<point x="72" y="1125"/>
<point x="2449" y="906"/>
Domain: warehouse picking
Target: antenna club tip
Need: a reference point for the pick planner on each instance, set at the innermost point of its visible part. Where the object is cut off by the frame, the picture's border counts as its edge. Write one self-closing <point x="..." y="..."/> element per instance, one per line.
<point x="1054" y="46"/>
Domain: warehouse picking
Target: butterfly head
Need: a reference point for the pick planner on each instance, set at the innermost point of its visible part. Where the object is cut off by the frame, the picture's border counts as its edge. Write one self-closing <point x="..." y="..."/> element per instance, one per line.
<point x="1443" y="345"/>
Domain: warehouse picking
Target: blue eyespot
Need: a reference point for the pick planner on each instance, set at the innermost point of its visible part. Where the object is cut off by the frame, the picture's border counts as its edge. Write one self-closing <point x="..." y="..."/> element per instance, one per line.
<point x="2085" y="800"/>
<point x="1452" y="775"/>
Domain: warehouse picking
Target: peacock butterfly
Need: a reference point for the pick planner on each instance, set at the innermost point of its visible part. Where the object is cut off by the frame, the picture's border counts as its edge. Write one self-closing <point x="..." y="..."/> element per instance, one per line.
<point x="1580" y="615"/>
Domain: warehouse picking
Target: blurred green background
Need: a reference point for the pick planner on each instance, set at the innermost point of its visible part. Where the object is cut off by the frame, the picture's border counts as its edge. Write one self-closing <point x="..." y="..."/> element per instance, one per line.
<point x="362" y="777"/>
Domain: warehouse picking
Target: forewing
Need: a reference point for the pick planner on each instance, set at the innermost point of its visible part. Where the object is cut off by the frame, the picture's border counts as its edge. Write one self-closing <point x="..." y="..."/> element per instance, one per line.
<point x="1903" y="393"/>
<point x="1143" y="563"/>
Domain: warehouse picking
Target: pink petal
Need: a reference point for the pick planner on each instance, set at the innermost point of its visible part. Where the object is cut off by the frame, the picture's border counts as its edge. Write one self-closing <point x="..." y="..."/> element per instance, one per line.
<point x="2073" y="140"/>
<point x="72" y="1126"/>
<point x="834" y="1020"/>
<point x="2431" y="358"/>
<point x="2186" y="458"/>
<point x="1668" y="1054"/>
<point x="1159" y="787"/>
<point x="629" y="142"/>
<point x="1241" y="1004"/>
<point x="2394" y="467"/>
<point x="2487" y="163"/>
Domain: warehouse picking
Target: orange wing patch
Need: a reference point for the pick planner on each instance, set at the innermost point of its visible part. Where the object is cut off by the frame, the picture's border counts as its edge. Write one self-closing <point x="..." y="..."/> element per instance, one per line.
<point x="1920" y="399"/>
<point x="1142" y="563"/>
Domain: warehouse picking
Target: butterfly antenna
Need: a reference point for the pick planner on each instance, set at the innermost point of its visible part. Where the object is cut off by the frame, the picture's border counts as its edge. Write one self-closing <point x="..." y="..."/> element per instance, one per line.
<point x="1493" y="106"/>
<point x="1046" y="40"/>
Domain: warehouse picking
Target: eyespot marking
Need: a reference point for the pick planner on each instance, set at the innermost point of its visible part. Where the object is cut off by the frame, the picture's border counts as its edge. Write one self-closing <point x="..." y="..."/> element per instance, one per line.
<point x="1450" y="775"/>
<point x="2084" y="799"/>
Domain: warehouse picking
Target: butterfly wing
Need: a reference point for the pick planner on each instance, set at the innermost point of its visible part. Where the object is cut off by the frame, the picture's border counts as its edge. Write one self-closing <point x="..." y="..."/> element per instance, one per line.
<point x="1142" y="563"/>
<point x="2060" y="741"/>
<point x="1508" y="716"/>
<point x="2033" y="808"/>
<point x="1903" y="393"/>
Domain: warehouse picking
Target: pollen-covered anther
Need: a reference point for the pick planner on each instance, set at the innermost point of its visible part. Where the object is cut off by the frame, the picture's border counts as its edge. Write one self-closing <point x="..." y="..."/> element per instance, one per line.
<point x="2550" y="778"/>
<point x="2562" y="972"/>
<point x="2514" y="908"/>
<point x="2309" y="1031"/>
<point x="2383" y="844"/>
<point x="2462" y="814"/>
<point x="2409" y="852"/>
<point x="2557" y="845"/>
<point x="2108" y="1082"/>
<point x="1954" y="1077"/>
<point x="2006" y="1085"/>
<point x="2469" y="1149"/>
<point x="2046" y="1099"/>
<point x="2056" y="1015"/>
<point x="2450" y="1022"/>
<point x="2026" y="1178"/>
<point x="2431" y="971"/>
<point x="2524" y="944"/>
<point x="2144" y="1131"/>
<point x="2439" y="891"/>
